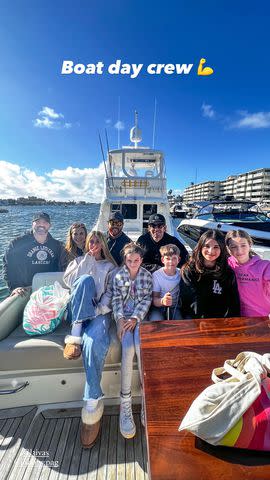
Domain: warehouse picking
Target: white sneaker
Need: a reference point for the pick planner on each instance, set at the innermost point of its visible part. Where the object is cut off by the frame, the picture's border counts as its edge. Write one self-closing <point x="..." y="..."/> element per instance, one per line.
<point x="126" y="421"/>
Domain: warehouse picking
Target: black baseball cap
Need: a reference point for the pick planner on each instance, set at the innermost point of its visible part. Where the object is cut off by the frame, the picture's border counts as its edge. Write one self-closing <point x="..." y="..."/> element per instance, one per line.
<point x="156" y="219"/>
<point x="116" y="216"/>
<point x="41" y="216"/>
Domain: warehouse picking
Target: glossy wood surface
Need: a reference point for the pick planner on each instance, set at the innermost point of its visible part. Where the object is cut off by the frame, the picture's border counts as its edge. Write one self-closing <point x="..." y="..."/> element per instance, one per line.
<point x="177" y="360"/>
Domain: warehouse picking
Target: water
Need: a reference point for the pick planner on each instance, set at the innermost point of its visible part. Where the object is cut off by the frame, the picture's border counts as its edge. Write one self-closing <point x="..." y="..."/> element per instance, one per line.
<point x="19" y="219"/>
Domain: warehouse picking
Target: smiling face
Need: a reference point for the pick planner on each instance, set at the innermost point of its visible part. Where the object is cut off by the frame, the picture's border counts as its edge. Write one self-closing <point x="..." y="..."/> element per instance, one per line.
<point x="240" y="248"/>
<point x="210" y="252"/>
<point x="115" y="227"/>
<point x="157" y="231"/>
<point x="41" y="227"/>
<point x="170" y="262"/>
<point x="133" y="262"/>
<point x="95" y="247"/>
<point x="78" y="236"/>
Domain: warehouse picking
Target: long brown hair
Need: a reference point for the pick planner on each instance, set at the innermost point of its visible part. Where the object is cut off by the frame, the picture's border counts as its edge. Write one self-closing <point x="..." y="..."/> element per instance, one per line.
<point x="196" y="261"/>
<point x="71" y="246"/>
<point x="105" y="253"/>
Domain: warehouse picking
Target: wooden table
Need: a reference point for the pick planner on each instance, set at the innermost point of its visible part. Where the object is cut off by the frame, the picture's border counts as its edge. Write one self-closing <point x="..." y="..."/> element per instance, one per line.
<point x="177" y="361"/>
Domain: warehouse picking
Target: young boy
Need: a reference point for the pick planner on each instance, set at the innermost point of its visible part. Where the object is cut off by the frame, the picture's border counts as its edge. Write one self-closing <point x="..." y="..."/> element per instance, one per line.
<point x="166" y="286"/>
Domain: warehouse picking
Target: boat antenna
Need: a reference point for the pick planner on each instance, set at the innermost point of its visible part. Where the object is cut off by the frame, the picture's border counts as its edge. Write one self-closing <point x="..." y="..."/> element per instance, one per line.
<point x="154" y="123"/>
<point x="102" y="151"/>
<point x="118" y="123"/>
<point x="108" y="152"/>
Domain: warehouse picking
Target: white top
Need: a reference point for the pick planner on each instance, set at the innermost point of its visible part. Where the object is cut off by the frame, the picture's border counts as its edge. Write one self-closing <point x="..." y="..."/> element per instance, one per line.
<point x="163" y="283"/>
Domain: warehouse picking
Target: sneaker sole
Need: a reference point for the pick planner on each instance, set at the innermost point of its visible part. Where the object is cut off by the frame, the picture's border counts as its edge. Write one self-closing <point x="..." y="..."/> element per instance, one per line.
<point x="128" y="435"/>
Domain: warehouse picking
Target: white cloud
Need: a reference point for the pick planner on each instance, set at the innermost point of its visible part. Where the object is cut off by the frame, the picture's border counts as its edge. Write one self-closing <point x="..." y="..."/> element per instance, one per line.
<point x="67" y="184"/>
<point x="207" y="111"/>
<point x="49" y="118"/>
<point x="252" y="120"/>
<point x="50" y="112"/>
<point x="119" y="125"/>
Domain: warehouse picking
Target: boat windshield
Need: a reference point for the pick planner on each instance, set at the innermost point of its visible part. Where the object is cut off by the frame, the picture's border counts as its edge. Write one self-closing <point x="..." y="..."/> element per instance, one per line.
<point x="227" y="213"/>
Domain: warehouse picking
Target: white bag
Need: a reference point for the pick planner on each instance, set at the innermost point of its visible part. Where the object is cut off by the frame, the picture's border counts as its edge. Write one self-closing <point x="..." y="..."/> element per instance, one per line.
<point x="220" y="406"/>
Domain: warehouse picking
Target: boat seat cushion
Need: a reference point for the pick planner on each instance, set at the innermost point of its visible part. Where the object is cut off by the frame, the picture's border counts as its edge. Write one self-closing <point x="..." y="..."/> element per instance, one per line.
<point x="20" y="352"/>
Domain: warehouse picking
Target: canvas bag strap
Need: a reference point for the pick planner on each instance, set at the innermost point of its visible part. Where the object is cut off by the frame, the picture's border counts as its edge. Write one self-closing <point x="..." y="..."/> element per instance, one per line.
<point x="244" y="364"/>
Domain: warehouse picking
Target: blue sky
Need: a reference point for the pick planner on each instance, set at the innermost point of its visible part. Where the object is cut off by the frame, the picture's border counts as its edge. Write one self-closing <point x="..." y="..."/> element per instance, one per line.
<point x="216" y="125"/>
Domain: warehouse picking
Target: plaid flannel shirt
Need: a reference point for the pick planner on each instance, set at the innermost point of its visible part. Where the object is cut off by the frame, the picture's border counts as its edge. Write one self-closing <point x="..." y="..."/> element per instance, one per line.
<point x="121" y="292"/>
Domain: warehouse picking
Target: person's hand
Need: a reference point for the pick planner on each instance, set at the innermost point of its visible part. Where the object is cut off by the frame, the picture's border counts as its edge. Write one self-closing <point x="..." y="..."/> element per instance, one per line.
<point x="130" y="324"/>
<point x="125" y="325"/>
<point x="167" y="300"/>
<point x="94" y="250"/>
<point x="120" y="328"/>
<point x="19" y="291"/>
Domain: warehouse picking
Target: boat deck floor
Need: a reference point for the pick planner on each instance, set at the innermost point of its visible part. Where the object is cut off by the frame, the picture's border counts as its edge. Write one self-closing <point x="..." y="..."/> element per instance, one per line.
<point x="47" y="446"/>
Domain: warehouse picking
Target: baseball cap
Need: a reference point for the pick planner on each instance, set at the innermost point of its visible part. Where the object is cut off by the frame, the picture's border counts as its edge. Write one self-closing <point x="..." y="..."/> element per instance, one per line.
<point x="156" y="219"/>
<point x="116" y="216"/>
<point x="41" y="216"/>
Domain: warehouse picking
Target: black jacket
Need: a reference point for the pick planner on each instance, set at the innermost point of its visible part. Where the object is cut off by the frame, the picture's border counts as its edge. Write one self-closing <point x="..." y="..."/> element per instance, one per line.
<point x="116" y="245"/>
<point x="209" y="295"/>
<point x="25" y="256"/>
<point x="152" y="257"/>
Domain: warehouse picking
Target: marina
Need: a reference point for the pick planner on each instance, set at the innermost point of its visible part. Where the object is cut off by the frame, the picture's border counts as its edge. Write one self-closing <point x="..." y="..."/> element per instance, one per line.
<point x="41" y="392"/>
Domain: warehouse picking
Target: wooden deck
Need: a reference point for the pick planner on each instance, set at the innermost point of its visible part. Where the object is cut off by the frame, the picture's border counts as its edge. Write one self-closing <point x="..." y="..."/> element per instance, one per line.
<point x="47" y="446"/>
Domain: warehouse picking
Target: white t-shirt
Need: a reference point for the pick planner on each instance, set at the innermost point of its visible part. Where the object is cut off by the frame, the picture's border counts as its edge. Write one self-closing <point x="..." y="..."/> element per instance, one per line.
<point x="163" y="283"/>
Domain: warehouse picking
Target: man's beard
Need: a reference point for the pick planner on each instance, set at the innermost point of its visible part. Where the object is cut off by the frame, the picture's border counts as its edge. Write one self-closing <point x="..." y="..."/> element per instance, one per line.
<point x="114" y="231"/>
<point x="40" y="230"/>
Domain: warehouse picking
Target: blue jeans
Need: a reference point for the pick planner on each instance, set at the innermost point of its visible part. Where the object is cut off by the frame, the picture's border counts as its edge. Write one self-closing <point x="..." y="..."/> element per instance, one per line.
<point x="95" y="333"/>
<point x="130" y="345"/>
<point x="82" y="299"/>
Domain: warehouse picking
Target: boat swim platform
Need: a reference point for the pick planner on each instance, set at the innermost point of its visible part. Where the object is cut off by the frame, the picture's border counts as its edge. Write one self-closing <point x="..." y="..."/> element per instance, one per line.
<point x="46" y="445"/>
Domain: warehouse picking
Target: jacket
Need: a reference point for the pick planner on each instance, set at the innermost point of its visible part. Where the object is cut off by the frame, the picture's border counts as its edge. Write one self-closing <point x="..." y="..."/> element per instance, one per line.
<point x="121" y="291"/>
<point x="102" y="272"/>
<point x="152" y="257"/>
<point x="209" y="295"/>
<point x="25" y="257"/>
<point x="116" y="245"/>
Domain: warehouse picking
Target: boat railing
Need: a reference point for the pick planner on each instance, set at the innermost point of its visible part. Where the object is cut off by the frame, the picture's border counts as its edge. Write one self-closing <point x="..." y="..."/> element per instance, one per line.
<point x="137" y="186"/>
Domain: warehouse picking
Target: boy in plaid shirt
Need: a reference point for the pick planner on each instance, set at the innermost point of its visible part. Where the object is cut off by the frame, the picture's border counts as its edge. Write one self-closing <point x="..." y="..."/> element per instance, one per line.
<point x="132" y="294"/>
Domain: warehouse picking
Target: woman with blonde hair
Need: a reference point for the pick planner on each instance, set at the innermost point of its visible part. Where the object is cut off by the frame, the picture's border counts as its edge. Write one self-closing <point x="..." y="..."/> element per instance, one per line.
<point x="90" y="279"/>
<point x="75" y="242"/>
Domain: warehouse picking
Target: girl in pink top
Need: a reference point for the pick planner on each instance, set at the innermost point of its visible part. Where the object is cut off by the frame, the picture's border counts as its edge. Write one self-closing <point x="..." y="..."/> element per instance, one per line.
<point x="252" y="274"/>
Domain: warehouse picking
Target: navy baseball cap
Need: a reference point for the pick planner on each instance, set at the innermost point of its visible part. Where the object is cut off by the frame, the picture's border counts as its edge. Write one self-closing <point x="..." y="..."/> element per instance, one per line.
<point x="41" y="216"/>
<point x="116" y="216"/>
<point x="156" y="219"/>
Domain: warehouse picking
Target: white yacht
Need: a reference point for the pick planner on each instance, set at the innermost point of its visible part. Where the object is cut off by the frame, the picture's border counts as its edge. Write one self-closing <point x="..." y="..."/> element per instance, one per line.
<point x="136" y="186"/>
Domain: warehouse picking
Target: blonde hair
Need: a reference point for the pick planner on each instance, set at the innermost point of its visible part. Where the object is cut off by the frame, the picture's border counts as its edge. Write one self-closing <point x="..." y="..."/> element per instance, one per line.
<point x="71" y="246"/>
<point x="239" y="234"/>
<point x="169" y="250"/>
<point x="105" y="252"/>
<point x="130" y="248"/>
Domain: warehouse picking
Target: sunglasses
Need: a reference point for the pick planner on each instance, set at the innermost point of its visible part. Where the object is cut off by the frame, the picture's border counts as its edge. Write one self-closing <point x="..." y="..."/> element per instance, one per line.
<point x="115" y="223"/>
<point x="154" y="227"/>
<point x="94" y="242"/>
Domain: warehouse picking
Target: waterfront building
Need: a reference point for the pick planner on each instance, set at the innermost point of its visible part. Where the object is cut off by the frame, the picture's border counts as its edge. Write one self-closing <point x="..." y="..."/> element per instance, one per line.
<point x="254" y="185"/>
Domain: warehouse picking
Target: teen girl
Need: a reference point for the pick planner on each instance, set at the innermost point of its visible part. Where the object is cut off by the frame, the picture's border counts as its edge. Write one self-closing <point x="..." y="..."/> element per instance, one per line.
<point x="132" y="295"/>
<point x="90" y="280"/>
<point x="252" y="274"/>
<point x="208" y="287"/>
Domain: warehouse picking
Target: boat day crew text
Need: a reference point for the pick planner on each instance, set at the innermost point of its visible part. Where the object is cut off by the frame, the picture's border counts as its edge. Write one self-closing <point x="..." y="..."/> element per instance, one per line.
<point x="119" y="68"/>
